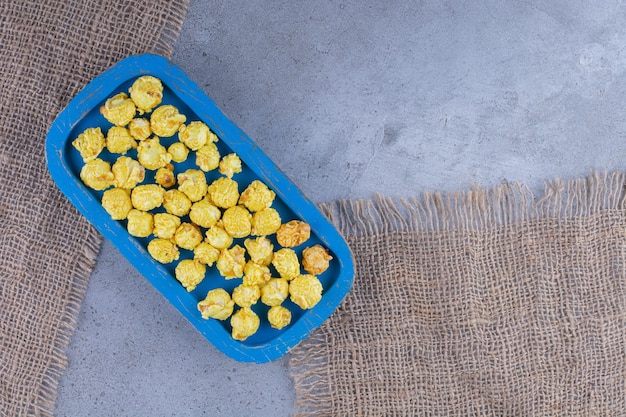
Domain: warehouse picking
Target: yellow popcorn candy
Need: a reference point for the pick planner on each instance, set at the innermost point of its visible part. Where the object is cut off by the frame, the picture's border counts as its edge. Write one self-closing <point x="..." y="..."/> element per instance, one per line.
<point x="236" y="221"/>
<point x="193" y="183"/>
<point x="178" y="151"/>
<point x="195" y="135"/>
<point x="163" y="250"/>
<point x="116" y="202"/>
<point x="261" y="250"/>
<point x="246" y="295"/>
<point x="187" y="236"/>
<point x="89" y="143"/>
<point x="166" y="120"/>
<point x="305" y="291"/>
<point x="279" y="317"/>
<point x="119" y="110"/>
<point x="147" y="197"/>
<point x="275" y="292"/>
<point x="218" y="237"/>
<point x="230" y="165"/>
<point x="165" y="176"/>
<point x="176" y="202"/>
<point x="206" y="253"/>
<point x="217" y="305"/>
<point x="224" y="192"/>
<point x="255" y="274"/>
<point x="231" y="262"/>
<point x="244" y="323"/>
<point x="265" y="222"/>
<point x="97" y="174"/>
<point x="204" y="214"/>
<point x="208" y="157"/>
<point x="152" y="155"/>
<point x="315" y="259"/>
<point x="190" y="273"/>
<point x="147" y="93"/>
<point x="139" y="128"/>
<point x="293" y="233"/>
<point x="257" y="196"/>
<point x="140" y="223"/>
<point x="119" y="140"/>
<point x="165" y="225"/>
<point x="286" y="263"/>
<point x="128" y="172"/>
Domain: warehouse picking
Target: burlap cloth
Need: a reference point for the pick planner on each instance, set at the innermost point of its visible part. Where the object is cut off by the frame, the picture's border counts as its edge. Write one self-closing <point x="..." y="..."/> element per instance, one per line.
<point x="482" y="303"/>
<point x="49" y="50"/>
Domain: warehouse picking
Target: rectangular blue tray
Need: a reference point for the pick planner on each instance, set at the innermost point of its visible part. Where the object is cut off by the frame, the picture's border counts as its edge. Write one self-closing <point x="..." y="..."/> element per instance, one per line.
<point x="64" y="164"/>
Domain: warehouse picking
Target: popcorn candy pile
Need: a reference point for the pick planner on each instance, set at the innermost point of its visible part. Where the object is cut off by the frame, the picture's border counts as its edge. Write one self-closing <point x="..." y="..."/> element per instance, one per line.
<point x="195" y="223"/>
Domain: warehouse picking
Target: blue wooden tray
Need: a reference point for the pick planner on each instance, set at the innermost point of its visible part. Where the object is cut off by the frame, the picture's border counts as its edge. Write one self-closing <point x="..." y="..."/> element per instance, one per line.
<point x="64" y="164"/>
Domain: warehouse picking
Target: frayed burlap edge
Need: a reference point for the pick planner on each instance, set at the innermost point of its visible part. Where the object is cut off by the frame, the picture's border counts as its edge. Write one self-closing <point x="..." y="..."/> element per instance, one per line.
<point x="476" y="209"/>
<point x="86" y="262"/>
<point x="469" y="210"/>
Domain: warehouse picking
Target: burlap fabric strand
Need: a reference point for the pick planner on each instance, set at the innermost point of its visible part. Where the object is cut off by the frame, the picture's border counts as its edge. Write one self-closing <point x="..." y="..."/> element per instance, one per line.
<point x="49" y="50"/>
<point x="482" y="303"/>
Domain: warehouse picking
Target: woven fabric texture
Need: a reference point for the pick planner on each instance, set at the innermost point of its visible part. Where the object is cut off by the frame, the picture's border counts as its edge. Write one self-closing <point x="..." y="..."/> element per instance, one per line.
<point x="482" y="303"/>
<point x="50" y="50"/>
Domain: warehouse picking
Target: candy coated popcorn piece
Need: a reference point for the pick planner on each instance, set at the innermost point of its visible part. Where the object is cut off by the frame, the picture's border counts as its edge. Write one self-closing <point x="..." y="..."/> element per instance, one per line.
<point x="165" y="176"/>
<point x="190" y="273"/>
<point x="204" y="214"/>
<point x="246" y="295"/>
<point x="178" y="152"/>
<point x="89" y="143"/>
<point x="165" y="225"/>
<point x="275" y="292"/>
<point x="230" y="165"/>
<point x="231" y="262"/>
<point x="255" y="274"/>
<point x="265" y="222"/>
<point x="147" y="197"/>
<point x="166" y="120"/>
<point x="286" y="263"/>
<point x="187" y="236"/>
<point x="305" y="291"/>
<point x="176" y="202"/>
<point x="163" y="250"/>
<point x="315" y="259"/>
<point x="119" y="140"/>
<point x="195" y="135"/>
<point x="119" y="109"/>
<point x="206" y="253"/>
<point x="140" y="223"/>
<point x="244" y="323"/>
<point x="208" y="157"/>
<point x="224" y="192"/>
<point x="193" y="183"/>
<point x="97" y="174"/>
<point x="147" y="93"/>
<point x="139" y="128"/>
<point x="218" y="237"/>
<point x="152" y="155"/>
<point x="236" y="221"/>
<point x="117" y="202"/>
<point x="217" y="305"/>
<point x="257" y="196"/>
<point x="279" y="317"/>
<point x="128" y="172"/>
<point x="293" y="233"/>
<point x="261" y="250"/>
